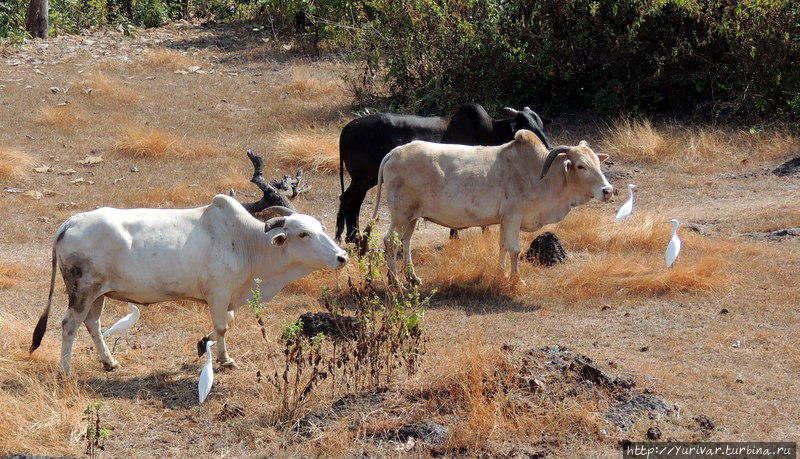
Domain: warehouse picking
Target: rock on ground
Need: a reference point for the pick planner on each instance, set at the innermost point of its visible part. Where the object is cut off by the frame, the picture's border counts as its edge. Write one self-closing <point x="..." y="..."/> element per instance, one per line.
<point x="546" y="249"/>
<point x="788" y="168"/>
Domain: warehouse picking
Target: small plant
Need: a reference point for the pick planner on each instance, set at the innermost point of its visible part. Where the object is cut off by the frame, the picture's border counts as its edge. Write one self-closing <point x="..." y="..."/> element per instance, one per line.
<point x="382" y="340"/>
<point x="95" y="435"/>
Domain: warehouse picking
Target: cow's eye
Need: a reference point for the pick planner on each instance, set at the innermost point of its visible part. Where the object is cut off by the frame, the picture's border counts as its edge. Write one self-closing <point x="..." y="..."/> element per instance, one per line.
<point x="303" y="235"/>
<point x="581" y="167"/>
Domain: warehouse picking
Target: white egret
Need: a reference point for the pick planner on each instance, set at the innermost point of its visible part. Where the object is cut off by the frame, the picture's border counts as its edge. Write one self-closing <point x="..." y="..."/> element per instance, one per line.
<point x="674" y="246"/>
<point x="123" y="325"/>
<point x="206" y="376"/>
<point x="626" y="208"/>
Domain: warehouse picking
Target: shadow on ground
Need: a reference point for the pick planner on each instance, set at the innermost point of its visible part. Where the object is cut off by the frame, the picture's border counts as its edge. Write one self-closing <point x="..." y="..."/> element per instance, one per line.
<point x="174" y="388"/>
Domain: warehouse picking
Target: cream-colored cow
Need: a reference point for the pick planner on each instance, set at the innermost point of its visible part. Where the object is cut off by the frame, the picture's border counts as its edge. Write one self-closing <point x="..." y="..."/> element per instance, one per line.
<point x="210" y="254"/>
<point x="461" y="186"/>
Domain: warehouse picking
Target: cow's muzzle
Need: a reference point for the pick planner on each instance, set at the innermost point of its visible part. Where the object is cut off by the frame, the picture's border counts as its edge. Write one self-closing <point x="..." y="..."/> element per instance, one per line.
<point x="608" y="192"/>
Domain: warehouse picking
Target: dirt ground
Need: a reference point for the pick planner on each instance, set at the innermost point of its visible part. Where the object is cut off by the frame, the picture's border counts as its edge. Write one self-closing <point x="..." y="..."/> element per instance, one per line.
<point x="171" y="113"/>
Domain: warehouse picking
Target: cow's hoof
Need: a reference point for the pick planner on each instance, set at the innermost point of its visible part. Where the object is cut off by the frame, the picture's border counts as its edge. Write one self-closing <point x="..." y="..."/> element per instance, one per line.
<point x="228" y="364"/>
<point x="110" y="366"/>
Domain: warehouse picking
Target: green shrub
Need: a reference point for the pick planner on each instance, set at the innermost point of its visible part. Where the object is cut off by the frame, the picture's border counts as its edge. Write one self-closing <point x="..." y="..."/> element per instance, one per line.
<point x="149" y="13"/>
<point x="12" y="19"/>
<point x="73" y="16"/>
<point x="648" y="56"/>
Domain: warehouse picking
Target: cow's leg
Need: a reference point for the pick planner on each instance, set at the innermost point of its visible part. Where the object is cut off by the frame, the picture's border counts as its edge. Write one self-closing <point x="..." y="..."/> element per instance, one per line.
<point x="92" y="323"/>
<point x="351" y="200"/>
<point x="509" y="242"/>
<point x="221" y="316"/>
<point x="391" y="251"/>
<point x="409" y="266"/>
<point x="80" y="301"/>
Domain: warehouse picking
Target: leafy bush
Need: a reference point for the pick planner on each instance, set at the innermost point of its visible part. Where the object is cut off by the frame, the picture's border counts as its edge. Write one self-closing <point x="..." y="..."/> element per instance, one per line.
<point x="149" y="13"/>
<point x="678" y="56"/>
<point x="12" y="19"/>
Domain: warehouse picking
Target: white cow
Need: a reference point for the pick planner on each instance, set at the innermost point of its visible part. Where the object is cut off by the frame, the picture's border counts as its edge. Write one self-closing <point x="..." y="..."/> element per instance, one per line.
<point x="461" y="186"/>
<point x="209" y="254"/>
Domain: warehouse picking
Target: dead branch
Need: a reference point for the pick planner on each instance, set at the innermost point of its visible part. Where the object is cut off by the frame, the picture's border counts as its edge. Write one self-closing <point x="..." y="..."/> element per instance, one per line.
<point x="271" y="197"/>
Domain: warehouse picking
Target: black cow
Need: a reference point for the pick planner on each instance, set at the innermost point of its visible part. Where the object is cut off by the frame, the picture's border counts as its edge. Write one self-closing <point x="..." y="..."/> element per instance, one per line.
<point x="366" y="140"/>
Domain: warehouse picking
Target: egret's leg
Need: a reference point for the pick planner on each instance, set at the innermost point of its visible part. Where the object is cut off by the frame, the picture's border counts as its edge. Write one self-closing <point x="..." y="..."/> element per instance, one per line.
<point x="92" y="323"/>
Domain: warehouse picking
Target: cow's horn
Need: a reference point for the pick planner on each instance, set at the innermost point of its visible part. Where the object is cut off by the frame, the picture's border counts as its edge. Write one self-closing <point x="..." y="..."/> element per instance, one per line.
<point x="510" y="111"/>
<point x="552" y="156"/>
<point x="280" y="210"/>
<point x="273" y="223"/>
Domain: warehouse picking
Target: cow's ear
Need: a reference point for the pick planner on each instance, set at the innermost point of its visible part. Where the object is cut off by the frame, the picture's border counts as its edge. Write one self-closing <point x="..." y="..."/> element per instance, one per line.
<point x="567" y="165"/>
<point x="278" y="239"/>
<point x="602" y="157"/>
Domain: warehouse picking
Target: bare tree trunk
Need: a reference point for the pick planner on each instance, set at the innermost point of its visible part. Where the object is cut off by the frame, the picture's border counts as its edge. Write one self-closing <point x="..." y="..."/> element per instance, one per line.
<point x="36" y="18"/>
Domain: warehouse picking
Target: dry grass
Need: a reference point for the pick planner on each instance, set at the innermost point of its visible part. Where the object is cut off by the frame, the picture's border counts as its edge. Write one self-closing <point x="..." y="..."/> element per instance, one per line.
<point x="99" y="87"/>
<point x="163" y="58"/>
<point x="177" y="196"/>
<point x="478" y="386"/>
<point x="46" y="410"/>
<point x="606" y="258"/>
<point x="156" y="143"/>
<point x="307" y="86"/>
<point x="14" y="164"/>
<point x="62" y="117"/>
<point x="315" y="151"/>
<point x="9" y="274"/>
<point x="686" y="149"/>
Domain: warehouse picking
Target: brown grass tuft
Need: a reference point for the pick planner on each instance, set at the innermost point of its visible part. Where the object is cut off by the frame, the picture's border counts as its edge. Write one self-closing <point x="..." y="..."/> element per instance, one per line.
<point x="162" y="58"/>
<point x="638" y="141"/>
<point x="155" y="143"/>
<point x="63" y="117"/>
<point x="311" y="150"/>
<point x="98" y="84"/>
<point x="14" y="164"/>
<point x="307" y="86"/>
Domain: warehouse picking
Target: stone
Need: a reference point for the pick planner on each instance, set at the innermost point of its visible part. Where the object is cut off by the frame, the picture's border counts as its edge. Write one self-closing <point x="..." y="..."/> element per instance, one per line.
<point x="546" y="249"/>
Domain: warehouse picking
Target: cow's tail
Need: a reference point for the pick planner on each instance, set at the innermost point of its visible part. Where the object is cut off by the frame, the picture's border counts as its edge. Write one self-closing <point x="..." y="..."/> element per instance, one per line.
<point x="380" y="185"/>
<point x="41" y="326"/>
